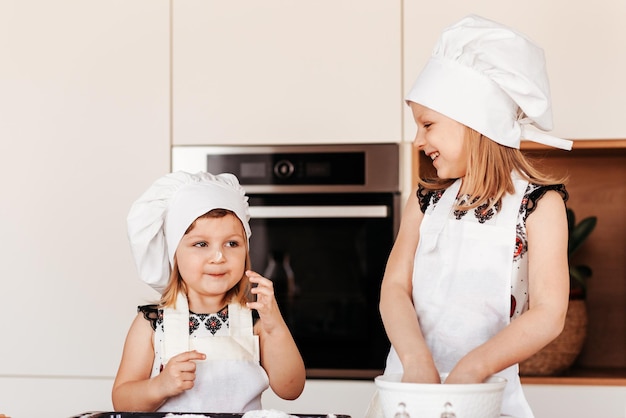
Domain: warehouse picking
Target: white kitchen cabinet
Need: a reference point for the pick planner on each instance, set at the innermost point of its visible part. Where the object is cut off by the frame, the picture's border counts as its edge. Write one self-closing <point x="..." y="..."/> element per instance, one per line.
<point x="84" y="129"/>
<point x="573" y="401"/>
<point x="278" y="71"/>
<point x="585" y="53"/>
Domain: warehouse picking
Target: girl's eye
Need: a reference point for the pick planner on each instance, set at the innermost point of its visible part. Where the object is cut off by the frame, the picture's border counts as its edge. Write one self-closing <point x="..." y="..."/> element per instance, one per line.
<point x="200" y="244"/>
<point x="232" y="244"/>
<point x="427" y="125"/>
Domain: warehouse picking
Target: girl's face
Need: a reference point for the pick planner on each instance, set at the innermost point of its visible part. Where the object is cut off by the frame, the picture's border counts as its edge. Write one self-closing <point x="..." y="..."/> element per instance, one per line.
<point x="211" y="260"/>
<point x="442" y="139"/>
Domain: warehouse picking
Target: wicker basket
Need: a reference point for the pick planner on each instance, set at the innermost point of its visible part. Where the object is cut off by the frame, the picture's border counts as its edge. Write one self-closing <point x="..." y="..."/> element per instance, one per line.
<point x="561" y="353"/>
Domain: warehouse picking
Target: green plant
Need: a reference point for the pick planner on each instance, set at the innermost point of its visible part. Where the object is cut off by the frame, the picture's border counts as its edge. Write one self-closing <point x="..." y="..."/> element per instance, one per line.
<point x="578" y="233"/>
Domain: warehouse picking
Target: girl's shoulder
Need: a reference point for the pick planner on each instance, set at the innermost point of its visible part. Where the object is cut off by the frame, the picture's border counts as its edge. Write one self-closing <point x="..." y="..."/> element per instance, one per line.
<point x="427" y="197"/>
<point x="152" y="313"/>
<point x="534" y="193"/>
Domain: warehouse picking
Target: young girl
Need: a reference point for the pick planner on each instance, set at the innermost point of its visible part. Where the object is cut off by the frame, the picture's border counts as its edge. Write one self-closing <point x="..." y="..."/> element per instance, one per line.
<point x="477" y="280"/>
<point x="199" y="350"/>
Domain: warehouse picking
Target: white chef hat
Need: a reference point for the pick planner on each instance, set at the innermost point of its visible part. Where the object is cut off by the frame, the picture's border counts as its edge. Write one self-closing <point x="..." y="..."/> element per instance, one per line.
<point x="159" y="218"/>
<point x="490" y="78"/>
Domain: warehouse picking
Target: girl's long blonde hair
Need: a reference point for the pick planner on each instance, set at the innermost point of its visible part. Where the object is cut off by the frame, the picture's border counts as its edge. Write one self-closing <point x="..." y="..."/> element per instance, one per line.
<point x="238" y="294"/>
<point x="489" y="168"/>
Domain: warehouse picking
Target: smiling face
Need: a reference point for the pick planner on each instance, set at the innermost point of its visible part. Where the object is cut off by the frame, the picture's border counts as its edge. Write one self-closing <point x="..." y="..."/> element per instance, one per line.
<point x="443" y="140"/>
<point x="211" y="260"/>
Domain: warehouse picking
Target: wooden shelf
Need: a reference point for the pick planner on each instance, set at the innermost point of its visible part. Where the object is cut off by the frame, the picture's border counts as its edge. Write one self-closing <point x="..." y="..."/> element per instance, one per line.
<point x="579" y="144"/>
<point x="582" y="377"/>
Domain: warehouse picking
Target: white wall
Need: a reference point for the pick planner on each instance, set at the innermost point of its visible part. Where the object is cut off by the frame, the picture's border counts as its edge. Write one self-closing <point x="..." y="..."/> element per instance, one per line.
<point x="84" y="129"/>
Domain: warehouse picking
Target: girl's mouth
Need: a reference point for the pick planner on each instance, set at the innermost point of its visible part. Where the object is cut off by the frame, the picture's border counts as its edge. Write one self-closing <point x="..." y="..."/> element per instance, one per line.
<point x="434" y="155"/>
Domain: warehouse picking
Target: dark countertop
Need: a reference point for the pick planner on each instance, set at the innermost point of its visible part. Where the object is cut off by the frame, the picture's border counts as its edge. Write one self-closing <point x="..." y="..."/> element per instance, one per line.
<point x="174" y="414"/>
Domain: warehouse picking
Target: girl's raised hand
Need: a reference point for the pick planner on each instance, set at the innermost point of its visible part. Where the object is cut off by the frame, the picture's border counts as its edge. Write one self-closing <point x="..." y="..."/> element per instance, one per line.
<point x="280" y="356"/>
<point x="265" y="304"/>
<point x="179" y="373"/>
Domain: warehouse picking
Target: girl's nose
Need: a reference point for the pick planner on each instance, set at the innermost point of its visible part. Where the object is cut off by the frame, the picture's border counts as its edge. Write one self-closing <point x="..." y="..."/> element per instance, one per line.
<point x="216" y="257"/>
<point x="418" y="141"/>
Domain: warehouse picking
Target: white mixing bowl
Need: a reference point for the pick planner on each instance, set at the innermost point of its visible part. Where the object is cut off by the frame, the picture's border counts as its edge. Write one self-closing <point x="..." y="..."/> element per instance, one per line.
<point x="429" y="400"/>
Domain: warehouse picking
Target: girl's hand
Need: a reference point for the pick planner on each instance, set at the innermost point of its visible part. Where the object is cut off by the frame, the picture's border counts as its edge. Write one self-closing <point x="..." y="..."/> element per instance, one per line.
<point x="460" y="377"/>
<point x="421" y="374"/>
<point x="179" y="373"/>
<point x="265" y="304"/>
<point x="280" y="356"/>
<point x="467" y="370"/>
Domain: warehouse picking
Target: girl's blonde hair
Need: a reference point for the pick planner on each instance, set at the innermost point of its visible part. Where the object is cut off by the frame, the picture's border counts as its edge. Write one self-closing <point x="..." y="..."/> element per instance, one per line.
<point x="238" y="294"/>
<point x="489" y="168"/>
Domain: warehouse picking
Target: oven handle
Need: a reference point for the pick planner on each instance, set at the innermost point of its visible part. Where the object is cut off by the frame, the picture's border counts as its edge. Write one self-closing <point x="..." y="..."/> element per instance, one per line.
<point x="283" y="212"/>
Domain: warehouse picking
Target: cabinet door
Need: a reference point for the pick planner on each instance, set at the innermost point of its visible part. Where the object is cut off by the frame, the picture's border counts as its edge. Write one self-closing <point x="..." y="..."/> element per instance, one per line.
<point x="279" y="71"/>
<point x="84" y="129"/>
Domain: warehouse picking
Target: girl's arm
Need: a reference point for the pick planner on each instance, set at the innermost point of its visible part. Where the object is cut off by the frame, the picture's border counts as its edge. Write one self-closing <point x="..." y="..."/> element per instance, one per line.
<point x="280" y="356"/>
<point x="548" y="275"/>
<point x="396" y="301"/>
<point x="133" y="389"/>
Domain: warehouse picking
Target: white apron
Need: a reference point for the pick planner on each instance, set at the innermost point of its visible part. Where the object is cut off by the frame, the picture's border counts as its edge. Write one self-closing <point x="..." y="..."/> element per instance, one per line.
<point x="231" y="378"/>
<point x="462" y="286"/>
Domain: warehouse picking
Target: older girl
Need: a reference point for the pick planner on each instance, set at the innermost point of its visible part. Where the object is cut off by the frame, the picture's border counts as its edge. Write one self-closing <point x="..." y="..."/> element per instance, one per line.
<point x="477" y="280"/>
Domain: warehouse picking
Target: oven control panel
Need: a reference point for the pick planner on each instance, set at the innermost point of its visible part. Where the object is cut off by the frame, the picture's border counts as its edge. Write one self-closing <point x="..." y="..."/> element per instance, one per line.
<point x="366" y="167"/>
<point x="292" y="168"/>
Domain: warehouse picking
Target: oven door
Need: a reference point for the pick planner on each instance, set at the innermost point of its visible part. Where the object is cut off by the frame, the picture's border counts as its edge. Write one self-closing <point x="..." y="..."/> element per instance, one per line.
<point x="326" y="255"/>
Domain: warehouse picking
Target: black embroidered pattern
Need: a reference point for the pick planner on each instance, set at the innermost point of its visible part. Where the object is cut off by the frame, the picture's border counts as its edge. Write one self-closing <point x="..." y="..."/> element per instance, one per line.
<point x="482" y="213"/>
<point x="532" y="195"/>
<point x="223" y="314"/>
<point x="436" y="196"/>
<point x="486" y="211"/>
<point x="458" y="213"/>
<point x="521" y="244"/>
<point x="152" y="314"/>
<point x="211" y="322"/>
<point x="214" y="322"/>
<point x="427" y="197"/>
<point x="536" y="192"/>
<point x="194" y="323"/>
<point x="524" y="204"/>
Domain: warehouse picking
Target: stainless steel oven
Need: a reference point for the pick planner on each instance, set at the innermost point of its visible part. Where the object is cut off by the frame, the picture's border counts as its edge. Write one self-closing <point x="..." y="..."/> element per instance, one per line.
<point x="323" y="220"/>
